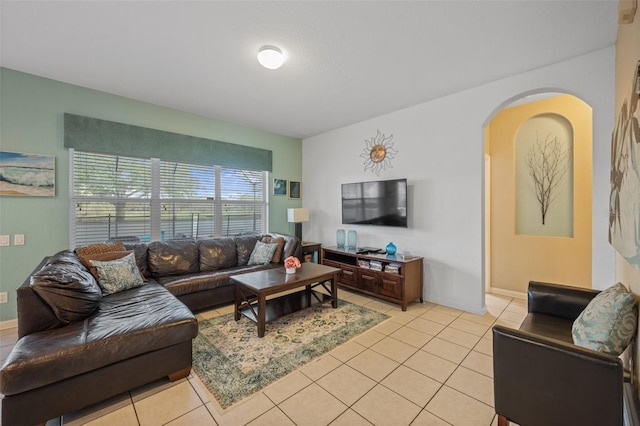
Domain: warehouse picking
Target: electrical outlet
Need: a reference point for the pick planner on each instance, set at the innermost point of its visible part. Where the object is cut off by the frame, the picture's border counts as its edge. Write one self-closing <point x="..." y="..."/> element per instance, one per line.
<point x="4" y="241"/>
<point x="3" y="297"/>
<point x="18" y="240"/>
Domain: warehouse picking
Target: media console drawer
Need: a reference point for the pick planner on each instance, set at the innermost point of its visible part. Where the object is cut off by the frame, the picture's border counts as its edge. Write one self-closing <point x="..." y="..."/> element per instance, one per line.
<point x="386" y="277"/>
<point x="347" y="273"/>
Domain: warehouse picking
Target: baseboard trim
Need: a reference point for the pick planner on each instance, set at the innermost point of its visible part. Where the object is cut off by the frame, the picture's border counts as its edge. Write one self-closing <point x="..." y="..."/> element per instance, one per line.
<point x="508" y="293"/>
<point x="453" y="304"/>
<point x="5" y="325"/>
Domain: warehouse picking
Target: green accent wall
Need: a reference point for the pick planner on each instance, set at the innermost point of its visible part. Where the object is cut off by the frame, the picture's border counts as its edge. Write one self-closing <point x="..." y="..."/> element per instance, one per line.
<point x="32" y="121"/>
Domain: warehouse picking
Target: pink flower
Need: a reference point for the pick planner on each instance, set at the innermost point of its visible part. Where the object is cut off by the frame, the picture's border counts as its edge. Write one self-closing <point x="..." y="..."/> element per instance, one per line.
<point x="292" y="262"/>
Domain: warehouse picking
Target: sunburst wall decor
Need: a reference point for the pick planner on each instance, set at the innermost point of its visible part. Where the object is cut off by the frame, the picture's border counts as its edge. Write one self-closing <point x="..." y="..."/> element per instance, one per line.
<point x="378" y="153"/>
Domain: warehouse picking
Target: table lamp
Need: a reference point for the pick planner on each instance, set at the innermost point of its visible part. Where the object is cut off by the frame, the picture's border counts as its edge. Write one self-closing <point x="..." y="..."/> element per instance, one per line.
<point x="298" y="216"/>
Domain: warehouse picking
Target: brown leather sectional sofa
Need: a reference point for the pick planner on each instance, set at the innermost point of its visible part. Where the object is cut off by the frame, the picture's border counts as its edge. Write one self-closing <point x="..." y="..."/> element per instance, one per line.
<point x="77" y="347"/>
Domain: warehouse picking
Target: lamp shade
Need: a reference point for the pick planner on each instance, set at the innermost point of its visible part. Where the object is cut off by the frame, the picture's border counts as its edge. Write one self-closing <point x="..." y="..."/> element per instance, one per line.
<point x="298" y="215"/>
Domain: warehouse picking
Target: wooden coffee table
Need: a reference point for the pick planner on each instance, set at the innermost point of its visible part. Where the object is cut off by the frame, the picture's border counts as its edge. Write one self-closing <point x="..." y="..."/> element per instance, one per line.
<point x="253" y="288"/>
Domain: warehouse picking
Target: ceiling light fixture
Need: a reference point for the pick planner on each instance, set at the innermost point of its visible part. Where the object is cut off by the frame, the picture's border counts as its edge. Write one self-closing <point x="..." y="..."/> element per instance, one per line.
<point x="270" y="57"/>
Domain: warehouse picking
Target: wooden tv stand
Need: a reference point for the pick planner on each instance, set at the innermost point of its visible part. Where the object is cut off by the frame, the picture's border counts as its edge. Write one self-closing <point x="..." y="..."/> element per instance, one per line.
<point x="401" y="288"/>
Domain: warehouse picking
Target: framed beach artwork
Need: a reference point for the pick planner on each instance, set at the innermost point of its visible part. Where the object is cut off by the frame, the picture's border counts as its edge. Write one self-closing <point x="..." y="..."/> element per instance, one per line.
<point x="29" y="175"/>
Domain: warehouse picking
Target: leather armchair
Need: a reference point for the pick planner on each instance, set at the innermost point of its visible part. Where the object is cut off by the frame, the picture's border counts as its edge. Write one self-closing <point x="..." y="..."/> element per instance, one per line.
<point x="542" y="378"/>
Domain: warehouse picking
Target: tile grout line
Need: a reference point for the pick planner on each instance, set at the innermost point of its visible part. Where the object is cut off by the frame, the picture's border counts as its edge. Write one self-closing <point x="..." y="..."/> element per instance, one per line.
<point x="135" y="412"/>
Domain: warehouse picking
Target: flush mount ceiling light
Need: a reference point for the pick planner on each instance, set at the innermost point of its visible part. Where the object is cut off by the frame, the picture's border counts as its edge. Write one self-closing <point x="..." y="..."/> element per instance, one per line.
<point x="270" y="57"/>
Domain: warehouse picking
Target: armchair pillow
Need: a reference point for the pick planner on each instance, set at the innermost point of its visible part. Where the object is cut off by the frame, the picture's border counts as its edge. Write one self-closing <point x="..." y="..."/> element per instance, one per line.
<point x="608" y="323"/>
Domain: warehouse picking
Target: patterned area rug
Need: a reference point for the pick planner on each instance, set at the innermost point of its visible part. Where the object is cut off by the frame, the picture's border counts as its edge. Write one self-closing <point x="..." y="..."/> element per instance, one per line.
<point x="233" y="362"/>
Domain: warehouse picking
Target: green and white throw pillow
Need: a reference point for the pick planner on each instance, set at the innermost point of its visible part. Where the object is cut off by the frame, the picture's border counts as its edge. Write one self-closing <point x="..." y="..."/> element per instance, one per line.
<point x="118" y="275"/>
<point x="609" y="321"/>
<point x="262" y="253"/>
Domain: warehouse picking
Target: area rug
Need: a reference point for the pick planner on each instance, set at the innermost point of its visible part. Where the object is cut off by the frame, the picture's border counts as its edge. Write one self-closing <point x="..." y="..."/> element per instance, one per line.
<point x="233" y="362"/>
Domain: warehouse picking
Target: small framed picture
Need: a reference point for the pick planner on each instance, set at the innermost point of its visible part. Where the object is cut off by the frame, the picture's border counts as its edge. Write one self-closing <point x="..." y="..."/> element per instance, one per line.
<point x="294" y="190"/>
<point x="279" y="187"/>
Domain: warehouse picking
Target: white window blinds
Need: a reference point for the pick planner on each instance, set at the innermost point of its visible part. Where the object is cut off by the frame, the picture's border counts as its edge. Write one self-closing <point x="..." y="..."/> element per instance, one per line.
<point x="111" y="197"/>
<point x="187" y="193"/>
<point x="132" y="199"/>
<point x="241" y="210"/>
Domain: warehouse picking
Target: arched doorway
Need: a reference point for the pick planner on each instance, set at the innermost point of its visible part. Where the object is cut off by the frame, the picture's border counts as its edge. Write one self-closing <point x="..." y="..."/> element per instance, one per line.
<point x="514" y="254"/>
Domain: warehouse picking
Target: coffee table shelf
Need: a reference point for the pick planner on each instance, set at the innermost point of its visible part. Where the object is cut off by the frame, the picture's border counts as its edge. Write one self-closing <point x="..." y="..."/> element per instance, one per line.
<point x="287" y="304"/>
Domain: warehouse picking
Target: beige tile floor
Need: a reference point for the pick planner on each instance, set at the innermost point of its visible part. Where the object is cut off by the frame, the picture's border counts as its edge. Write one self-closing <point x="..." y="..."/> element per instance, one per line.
<point x="429" y="366"/>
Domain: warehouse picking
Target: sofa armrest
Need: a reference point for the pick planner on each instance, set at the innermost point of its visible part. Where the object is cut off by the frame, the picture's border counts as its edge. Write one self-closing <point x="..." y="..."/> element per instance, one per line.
<point x="558" y="300"/>
<point x="34" y="314"/>
<point x="538" y="381"/>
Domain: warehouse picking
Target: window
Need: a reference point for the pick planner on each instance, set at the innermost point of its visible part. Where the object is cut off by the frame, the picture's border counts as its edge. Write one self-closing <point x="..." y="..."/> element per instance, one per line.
<point x="131" y="199"/>
<point x="240" y="200"/>
<point x="187" y="196"/>
<point x="111" y="197"/>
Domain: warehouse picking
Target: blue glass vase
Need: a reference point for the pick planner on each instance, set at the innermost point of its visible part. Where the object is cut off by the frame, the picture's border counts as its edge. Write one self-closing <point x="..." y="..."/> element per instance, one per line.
<point x="340" y="237"/>
<point x="352" y="238"/>
<point x="391" y="248"/>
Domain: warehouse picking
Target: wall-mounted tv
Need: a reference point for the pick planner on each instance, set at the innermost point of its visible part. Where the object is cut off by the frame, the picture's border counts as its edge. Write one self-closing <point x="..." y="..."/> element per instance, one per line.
<point x="381" y="202"/>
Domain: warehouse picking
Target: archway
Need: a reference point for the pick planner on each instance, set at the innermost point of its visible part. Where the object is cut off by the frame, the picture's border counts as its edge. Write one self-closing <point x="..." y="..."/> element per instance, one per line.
<point x="512" y="257"/>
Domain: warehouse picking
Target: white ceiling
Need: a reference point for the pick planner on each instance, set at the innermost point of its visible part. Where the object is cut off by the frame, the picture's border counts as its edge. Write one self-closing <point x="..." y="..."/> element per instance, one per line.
<point x="347" y="60"/>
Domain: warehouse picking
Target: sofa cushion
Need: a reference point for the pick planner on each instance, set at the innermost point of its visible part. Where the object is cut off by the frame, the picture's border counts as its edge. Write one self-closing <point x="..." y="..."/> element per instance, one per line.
<point x="608" y="323"/>
<point x="217" y="253"/>
<point x="180" y="285"/>
<point x="244" y="247"/>
<point x="277" y="256"/>
<point x="262" y="253"/>
<point x="118" y="275"/>
<point x="125" y="325"/>
<point x="173" y="257"/>
<point x="140" y="252"/>
<point x="68" y="288"/>
<point x="549" y="326"/>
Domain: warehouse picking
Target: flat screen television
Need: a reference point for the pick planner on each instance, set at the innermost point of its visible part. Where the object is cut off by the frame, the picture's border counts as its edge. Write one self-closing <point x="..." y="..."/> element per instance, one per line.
<point x="381" y="203"/>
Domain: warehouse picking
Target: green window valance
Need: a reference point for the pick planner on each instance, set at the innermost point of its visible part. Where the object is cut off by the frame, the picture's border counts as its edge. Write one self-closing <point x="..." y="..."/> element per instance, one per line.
<point x="109" y="137"/>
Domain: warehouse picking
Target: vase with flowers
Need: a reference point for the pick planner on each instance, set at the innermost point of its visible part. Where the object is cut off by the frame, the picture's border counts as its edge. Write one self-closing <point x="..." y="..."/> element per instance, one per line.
<point x="291" y="263"/>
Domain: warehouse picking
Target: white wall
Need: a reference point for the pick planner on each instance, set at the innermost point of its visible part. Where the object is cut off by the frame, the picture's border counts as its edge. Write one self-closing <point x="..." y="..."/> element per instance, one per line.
<point x="441" y="152"/>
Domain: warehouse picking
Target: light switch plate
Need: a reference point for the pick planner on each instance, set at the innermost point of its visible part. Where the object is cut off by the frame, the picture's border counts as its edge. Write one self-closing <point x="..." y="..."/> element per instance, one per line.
<point x="18" y="240"/>
<point x="4" y="240"/>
